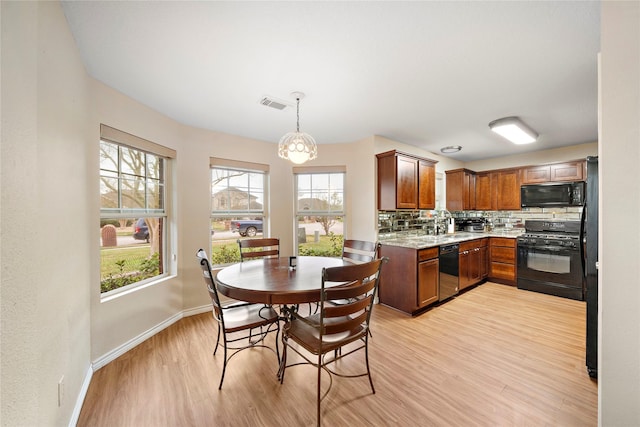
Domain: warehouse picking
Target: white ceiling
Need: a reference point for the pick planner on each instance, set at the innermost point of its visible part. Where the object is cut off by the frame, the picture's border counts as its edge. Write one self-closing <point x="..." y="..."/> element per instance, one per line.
<point x="429" y="74"/>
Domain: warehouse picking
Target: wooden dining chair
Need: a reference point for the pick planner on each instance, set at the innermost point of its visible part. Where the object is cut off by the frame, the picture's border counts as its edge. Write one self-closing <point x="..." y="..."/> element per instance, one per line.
<point x="357" y="251"/>
<point x="259" y="248"/>
<point x="241" y="324"/>
<point x="336" y="326"/>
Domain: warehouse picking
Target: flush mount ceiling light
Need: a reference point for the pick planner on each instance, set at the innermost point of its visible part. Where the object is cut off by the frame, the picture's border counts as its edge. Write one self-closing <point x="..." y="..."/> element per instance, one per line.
<point x="451" y="149"/>
<point x="513" y="129"/>
<point x="297" y="146"/>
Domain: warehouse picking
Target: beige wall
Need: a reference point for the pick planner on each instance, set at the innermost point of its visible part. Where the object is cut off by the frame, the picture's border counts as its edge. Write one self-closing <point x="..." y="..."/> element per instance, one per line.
<point x="53" y="323"/>
<point x="619" y="350"/>
<point x="46" y="224"/>
<point x="573" y="152"/>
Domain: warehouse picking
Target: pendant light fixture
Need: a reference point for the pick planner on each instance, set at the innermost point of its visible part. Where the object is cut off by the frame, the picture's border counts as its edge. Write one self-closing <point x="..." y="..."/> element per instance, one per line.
<point x="298" y="147"/>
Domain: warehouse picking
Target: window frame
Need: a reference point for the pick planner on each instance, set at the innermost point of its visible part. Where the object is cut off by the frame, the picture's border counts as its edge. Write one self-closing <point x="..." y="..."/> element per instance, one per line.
<point x="165" y="180"/>
<point x="318" y="170"/>
<point x="264" y="213"/>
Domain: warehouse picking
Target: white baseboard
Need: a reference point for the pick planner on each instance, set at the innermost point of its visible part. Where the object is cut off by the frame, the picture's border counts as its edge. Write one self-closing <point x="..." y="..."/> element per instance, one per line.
<point x="197" y="310"/>
<point x="75" y="416"/>
<point x="119" y="351"/>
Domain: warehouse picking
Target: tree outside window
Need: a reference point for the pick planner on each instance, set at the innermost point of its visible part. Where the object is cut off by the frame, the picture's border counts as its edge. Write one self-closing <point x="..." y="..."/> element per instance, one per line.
<point x="132" y="215"/>
<point x="320" y="213"/>
<point x="237" y="211"/>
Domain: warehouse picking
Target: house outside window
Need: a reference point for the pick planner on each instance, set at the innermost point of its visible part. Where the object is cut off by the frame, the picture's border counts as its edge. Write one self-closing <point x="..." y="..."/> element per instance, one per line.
<point x="319" y="211"/>
<point x="133" y="210"/>
<point x="238" y="207"/>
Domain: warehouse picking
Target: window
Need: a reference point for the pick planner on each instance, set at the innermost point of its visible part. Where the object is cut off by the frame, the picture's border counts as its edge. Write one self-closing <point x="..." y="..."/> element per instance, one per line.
<point x="133" y="211"/>
<point x="319" y="212"/>
<point x="238" y="200"/>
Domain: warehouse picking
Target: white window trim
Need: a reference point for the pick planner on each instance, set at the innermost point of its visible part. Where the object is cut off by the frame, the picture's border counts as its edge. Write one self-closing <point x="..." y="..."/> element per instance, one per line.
<point x="116" y="136"/>
<point x="302" y="170"/>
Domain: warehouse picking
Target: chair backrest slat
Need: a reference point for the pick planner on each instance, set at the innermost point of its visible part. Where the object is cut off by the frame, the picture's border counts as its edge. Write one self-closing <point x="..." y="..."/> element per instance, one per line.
<point x="259" y="248"/>
<point x="353" y="323"/>
<point x="359" y="251"/>
<point x="358" y="288"/>
<point x="210" y="281"/>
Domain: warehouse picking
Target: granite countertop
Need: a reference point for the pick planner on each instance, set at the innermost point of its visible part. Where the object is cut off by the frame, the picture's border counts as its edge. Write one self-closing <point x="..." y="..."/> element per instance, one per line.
<point x="425" y="241"/>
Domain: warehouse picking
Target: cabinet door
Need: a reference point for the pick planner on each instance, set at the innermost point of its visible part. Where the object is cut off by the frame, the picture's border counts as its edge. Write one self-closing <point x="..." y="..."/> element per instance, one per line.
<point x="461" y="193"/>
<point x="536" y="174"/>
<point x="426" y="185"/>
<point x="475" y="266"/>
<point x="484" y="262"/>
<point x="469" y="192"/>
<point x="454" y="186"/>
<point x="508" y="182"/>
<point x="570" y="171"/>
<point x="485" y="194"/>
<point x="428" y="276"/>
<point x="407" y="183"/>
<point x="464" y="266"/>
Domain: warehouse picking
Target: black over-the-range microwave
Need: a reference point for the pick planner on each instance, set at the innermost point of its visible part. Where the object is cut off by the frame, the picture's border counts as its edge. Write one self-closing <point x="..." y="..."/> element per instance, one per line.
<point x="552" y="195"/>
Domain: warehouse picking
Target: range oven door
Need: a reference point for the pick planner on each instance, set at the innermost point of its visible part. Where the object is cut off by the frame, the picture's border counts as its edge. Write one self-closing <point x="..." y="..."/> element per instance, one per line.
<point x="553" y="270"/>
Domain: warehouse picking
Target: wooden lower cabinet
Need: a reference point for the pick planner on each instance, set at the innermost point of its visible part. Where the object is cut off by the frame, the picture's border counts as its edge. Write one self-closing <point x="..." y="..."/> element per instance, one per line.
<point x="503" y="263"/>
<point x="472" y="262"/>
<point x="428" y="275"/>
<point x="409" y="281"/>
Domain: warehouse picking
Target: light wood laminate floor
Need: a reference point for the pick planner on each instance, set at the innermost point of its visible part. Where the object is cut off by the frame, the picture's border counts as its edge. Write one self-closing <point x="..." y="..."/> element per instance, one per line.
<point x="493" y="356"/>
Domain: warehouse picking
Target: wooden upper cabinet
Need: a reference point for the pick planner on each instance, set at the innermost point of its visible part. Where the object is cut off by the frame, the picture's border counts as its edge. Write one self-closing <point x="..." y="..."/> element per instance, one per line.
<point x="556" y="172"/>
<point x="536" y="174"/>
<point x="486" y="193"/>
<point x="426" y="185"/>
<point x="461" y="189"/>
<point x="405" y="181"/>
<point x="508" y="190"/>
<point x="570" y="171"/>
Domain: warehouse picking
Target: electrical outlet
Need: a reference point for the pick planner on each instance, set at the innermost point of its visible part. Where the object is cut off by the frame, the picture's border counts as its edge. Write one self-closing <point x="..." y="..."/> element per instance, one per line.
<point x="61" y="391"/>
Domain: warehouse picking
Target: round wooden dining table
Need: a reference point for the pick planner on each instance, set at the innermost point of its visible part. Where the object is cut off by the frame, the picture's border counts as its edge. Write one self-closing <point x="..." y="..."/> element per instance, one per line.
<point x="272" y="281"/>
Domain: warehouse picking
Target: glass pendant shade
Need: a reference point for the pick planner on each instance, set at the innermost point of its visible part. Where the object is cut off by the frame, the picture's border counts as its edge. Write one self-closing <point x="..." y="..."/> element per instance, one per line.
<point x="298" y="147"/>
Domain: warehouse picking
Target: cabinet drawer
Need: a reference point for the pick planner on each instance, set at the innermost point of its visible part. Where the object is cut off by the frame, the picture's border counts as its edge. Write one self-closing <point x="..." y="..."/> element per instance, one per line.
<point x="467" y="246"/>
<point x="503" y="271"/>
<point x="502" y="254"/>
<point x="502" y="241"/>
<point x="425" y="254"/>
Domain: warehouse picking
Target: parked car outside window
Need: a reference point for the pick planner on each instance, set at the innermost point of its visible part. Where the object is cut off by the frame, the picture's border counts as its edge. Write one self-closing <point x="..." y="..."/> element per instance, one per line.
<point x="141" y="231"/>
<point x="246" y="227"/>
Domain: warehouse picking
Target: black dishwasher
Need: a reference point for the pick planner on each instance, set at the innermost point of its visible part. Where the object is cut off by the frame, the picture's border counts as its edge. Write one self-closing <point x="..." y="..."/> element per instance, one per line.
<point x="449" y="272"/>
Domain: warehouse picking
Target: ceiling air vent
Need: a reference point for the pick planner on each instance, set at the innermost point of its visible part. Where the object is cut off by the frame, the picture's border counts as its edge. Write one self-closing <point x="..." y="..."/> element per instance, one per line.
<point x="274" y="103"/>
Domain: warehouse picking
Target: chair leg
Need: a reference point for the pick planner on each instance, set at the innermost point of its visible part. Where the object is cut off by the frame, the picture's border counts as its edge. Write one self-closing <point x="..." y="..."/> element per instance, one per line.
<point x="277" y="346"/>
<point x="283" y="362"/>
<point x="366" y="355"/>
<point x="224" y="365"/>
<point x="217" y="340"/>
<point x="319" y="388"/>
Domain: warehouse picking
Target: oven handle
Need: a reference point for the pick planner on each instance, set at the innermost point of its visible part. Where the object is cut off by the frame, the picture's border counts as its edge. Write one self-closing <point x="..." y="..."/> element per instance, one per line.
<point x="555" y="249"/>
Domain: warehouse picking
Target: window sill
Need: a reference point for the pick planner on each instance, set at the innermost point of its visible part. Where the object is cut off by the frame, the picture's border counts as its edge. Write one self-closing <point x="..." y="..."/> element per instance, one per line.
<point x="117" y="293"/>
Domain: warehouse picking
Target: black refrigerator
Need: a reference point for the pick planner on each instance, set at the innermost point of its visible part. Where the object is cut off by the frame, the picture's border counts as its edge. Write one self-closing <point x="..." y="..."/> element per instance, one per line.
<point x="589" y="234"/>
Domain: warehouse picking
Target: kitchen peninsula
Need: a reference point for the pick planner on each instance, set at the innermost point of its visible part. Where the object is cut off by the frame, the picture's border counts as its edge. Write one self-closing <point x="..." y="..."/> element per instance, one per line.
<point x="411" y="280"/>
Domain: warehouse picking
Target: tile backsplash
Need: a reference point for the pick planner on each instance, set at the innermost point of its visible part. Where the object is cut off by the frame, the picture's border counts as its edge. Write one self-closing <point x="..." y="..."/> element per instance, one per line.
<point x="392" y="224"/>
